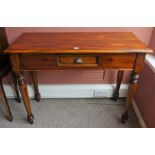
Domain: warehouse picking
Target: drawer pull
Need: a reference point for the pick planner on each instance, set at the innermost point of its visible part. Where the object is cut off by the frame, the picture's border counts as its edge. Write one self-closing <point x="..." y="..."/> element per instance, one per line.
<point x="78" y="61"/>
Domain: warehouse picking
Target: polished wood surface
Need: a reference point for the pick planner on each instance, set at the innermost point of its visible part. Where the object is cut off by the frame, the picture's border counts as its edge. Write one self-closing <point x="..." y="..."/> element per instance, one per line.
<point x="42" y="62"/>
<point x="118" y="61"/>
<point x="68" y="61"/>
<point x="49" y="51"/>
<point x="76" y="42"/>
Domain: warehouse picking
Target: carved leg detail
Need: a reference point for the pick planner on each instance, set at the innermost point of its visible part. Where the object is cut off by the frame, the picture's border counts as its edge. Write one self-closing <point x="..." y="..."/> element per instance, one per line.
<point x="35" y="83"/>
<point x="14" y="79"/>
<point x="119" y="80"/>
<point x="24" y="93"/>
<point x="131" y="91"/>
<point x="5" y="104"/>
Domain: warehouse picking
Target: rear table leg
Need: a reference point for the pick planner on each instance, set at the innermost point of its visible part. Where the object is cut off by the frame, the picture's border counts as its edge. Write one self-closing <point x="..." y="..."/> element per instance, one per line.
<point x="35" y="83"/>
<point x="119" y="80"/>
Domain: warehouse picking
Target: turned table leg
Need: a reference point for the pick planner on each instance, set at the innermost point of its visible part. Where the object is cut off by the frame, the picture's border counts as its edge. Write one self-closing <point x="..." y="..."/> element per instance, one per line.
<point x="119" y="80"/>
<point x="35" y="83"/>
<point x="14" y="79"/>
<point x="25" y="96"/>
<point x="5" y="104"/>
<point x="131" y="91"/>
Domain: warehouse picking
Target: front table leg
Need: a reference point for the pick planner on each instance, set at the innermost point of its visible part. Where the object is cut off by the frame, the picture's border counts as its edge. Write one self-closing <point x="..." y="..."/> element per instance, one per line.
<point x="25" y="96"/>
<point x="131" y="91"/>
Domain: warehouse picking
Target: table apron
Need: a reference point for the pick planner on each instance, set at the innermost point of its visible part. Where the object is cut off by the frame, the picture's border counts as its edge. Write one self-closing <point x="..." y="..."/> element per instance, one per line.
<point x="75" y="61"/>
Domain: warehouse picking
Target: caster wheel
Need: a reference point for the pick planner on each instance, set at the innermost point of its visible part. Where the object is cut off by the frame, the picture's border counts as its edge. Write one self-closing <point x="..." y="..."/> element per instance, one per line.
<point x="10" y="118"/>
<point x="124" y="118"/>
<point x="30" y="119"/>
<point x="37" y="97"/>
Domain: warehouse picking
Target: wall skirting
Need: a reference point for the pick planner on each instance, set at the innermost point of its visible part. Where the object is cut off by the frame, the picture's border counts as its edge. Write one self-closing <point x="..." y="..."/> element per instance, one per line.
<point x="139" y="116"/>
<point x="72" y="90"/>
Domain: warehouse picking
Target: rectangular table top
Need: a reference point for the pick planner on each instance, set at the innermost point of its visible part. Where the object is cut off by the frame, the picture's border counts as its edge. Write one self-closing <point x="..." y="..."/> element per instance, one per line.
<point x="77" y="42"/>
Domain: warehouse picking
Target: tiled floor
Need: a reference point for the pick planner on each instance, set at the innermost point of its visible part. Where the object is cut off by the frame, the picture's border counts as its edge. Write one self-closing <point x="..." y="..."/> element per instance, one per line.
<point x="70" y="113"/>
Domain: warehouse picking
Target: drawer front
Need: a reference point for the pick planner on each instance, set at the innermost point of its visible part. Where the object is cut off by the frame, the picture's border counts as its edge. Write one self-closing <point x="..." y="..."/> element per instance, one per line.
<point x="53" y="61"/>
<point x="117" y="61"/>
<point x="77" y="60"/>
<point x="37" y="61"/>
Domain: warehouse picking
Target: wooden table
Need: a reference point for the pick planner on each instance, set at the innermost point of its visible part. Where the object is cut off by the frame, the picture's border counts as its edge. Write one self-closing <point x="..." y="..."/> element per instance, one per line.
<point x="84" y="50"/>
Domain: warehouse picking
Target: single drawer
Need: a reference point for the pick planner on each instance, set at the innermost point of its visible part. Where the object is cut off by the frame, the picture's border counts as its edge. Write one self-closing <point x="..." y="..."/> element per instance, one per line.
<point x="77" y="60"/>
<point x="37" y="61"/>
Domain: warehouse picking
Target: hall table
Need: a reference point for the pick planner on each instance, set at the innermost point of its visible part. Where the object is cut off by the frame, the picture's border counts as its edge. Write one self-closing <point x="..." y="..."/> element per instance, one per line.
<point x="77" y="51"/>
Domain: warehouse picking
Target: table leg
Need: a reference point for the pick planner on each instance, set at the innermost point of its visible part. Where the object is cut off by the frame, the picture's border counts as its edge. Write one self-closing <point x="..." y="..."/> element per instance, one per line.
<point x="35" y="83"/>
<point x="119" y="80"/>
<point x="5" y="103"/>
<point x="14" y="79"/>
<point x="131" y="91"/>
<point x="25" y="96"/>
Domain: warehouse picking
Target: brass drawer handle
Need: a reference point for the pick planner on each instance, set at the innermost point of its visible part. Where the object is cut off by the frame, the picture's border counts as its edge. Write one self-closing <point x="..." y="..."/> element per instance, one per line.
<point x="78" y="61"/>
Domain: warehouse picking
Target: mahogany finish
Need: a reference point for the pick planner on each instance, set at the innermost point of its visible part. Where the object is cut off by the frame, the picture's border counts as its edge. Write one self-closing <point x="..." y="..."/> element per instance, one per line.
<point x="48" y="51"/>
<point x="83" y="42"/>
<point x="118" y="61"/>
<point x="42" y="62"/>
<point x="68" y="61"/>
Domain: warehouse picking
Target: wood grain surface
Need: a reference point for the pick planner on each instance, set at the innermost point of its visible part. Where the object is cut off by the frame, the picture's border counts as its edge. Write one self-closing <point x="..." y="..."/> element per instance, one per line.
<point x="78" y="42"/>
